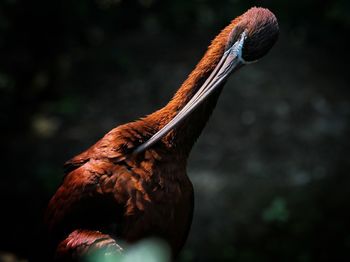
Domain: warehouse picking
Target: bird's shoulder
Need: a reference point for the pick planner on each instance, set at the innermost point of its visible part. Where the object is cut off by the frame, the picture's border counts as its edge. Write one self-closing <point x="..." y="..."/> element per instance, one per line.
<point x="115" y="145"/>
<point x="92" y="190"/>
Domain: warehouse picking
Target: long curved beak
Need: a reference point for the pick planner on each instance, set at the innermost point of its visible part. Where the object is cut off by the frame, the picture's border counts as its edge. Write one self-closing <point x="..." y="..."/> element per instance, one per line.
<point x="231" y="60"/>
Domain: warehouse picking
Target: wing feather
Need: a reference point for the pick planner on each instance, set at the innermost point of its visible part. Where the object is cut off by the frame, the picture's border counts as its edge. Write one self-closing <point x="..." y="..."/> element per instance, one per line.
<point x="84" y="243"/>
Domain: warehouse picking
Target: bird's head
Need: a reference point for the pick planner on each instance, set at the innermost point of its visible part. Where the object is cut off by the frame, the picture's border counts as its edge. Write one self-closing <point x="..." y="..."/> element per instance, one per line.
<point x="253" y="34"/>
<point x="245" y="40"/>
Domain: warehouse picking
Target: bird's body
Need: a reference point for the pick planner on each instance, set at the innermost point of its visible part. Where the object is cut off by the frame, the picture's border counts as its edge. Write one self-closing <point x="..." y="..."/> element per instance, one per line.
<point x="130" y="190"/>
<point x="130" y="199"/>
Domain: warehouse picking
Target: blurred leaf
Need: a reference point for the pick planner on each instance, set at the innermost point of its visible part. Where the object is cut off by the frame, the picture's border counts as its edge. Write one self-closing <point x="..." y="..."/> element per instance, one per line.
<point x="150" y="250"/>
<point x="277" y="211"/>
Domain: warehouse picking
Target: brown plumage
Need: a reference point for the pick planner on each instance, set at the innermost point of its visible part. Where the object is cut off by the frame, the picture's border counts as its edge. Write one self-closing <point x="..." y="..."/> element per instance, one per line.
<point x="113" y="188"/>
<point x="83" y="243"/>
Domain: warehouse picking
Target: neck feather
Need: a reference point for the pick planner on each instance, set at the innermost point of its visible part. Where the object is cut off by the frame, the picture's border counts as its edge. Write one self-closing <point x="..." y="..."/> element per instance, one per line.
<point x="183" y="137"/>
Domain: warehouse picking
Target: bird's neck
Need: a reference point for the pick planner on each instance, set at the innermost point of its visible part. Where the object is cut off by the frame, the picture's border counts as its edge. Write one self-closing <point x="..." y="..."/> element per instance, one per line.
<point x="184" y="136"/>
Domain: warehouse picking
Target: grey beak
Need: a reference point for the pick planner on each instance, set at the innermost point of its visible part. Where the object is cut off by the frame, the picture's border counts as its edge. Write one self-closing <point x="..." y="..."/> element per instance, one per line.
<point x="231" y="60"/>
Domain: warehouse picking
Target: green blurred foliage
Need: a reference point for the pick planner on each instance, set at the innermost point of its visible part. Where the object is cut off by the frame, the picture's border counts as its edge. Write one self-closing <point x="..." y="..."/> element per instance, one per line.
<point x="149" y="250"/>
<point x="277" y="211"/>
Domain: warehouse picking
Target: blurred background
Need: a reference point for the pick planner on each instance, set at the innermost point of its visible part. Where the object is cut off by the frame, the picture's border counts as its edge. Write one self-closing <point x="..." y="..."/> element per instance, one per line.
<point x="270" y="170"/>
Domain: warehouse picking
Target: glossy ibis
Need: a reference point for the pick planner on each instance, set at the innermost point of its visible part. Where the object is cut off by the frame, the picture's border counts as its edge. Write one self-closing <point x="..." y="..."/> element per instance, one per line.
<point x="132" y="184"/>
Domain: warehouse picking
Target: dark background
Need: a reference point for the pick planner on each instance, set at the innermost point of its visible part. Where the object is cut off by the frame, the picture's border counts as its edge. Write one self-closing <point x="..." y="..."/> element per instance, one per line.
<point x="270" y="170"/>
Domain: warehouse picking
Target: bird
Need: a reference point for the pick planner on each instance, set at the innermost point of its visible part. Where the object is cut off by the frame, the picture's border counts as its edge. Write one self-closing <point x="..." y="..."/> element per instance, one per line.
<point x="132" y="184"/>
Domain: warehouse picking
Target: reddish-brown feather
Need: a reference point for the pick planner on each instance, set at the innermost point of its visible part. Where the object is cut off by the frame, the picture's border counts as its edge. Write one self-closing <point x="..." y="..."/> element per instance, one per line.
<point x="108" y="189"/>
<point x="82" y="243"/>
